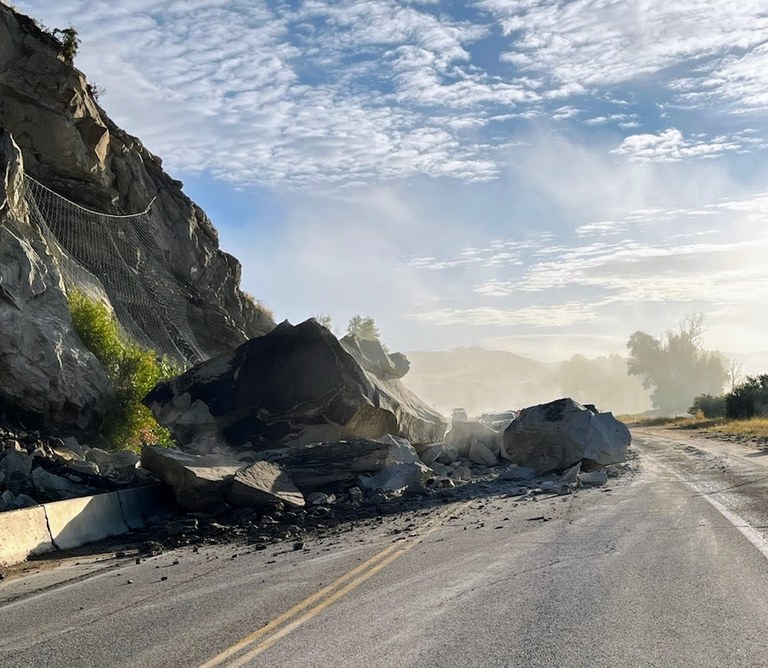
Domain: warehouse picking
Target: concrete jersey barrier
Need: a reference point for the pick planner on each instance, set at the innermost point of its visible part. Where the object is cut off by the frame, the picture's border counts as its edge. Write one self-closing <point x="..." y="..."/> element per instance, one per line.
<point x="87" y="519"/>
<point x="23" y="533"/>
<point x="68" y="524"/>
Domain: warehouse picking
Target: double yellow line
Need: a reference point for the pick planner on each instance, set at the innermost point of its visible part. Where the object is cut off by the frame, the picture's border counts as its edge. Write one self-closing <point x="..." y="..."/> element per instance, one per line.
<point x="259" y="641"/>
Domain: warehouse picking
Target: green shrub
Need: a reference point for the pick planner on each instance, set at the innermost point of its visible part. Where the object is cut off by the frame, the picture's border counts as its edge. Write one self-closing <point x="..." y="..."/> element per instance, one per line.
<point x="132" y="371"/>
<point x="69" y="41"/>
<point x="749" y="399"/>
<point x="708" y="406"/>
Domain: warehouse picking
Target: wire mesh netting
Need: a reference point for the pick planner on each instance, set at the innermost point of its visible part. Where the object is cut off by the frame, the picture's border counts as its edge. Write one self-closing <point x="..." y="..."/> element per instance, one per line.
<point x="118" y="257"/>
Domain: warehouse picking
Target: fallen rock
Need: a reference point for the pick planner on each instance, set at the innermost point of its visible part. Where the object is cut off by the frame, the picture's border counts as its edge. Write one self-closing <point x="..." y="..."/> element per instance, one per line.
<point x="515" y="472"/>
<point x="386" y="464"/>
<point x="593" y="478"/>
<point x="370" y="354"/>
<point x="82" y="466"/>
<point x="264" y="483"/>
<point x="461" y="473"/>
<point x="15" y="464"/>
<point x="440" y="469"/>
<point x="293" y="386"/>
<point x="555" y="487"/>
<point x="198" y="482"/>
<point x="121" y="460"/>
<point x="52" y="487"/>
<point x="464" y="433"/>
<point x="480" y="454"/>
<point x="321" y="499"/>
<point x="22" y="501"/>
<point x="442" y="453"/>
<point x="556" y="435"/>
<point x="571" y="475"/>
<point x="6" y="500"/>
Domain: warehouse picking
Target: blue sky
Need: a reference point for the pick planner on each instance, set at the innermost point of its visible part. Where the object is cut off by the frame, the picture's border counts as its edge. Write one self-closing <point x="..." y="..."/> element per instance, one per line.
<point x="540" y="176"/>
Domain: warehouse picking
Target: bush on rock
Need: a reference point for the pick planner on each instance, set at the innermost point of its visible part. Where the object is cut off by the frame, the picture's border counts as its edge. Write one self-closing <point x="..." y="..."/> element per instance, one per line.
<point x="132" y="370"/>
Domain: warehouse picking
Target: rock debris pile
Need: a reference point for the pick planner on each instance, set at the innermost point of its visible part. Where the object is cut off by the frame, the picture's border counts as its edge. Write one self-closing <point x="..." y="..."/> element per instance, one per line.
<point x="37" y="469"/>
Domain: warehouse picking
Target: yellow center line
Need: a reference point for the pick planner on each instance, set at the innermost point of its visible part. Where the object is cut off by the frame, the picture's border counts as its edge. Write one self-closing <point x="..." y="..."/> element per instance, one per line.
<point x="320" y="600"/>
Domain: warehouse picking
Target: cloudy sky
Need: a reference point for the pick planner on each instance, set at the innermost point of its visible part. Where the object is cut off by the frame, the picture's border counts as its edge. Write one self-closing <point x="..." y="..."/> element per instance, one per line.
<point x="541" y="176"/>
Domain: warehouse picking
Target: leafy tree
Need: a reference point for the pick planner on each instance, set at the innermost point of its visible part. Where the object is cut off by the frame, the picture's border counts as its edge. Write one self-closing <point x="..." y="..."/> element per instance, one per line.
<point x="708" y="406"/>
<point x="676" y="368"/>
<point x="603" y="381"/>
<point x="363" y="328"/>
<point x="70" y="42"/>
<point x="749" y="399"/>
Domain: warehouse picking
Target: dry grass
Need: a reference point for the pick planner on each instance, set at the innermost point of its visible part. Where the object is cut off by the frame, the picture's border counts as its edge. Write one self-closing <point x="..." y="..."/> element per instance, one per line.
<point x="752" y="428"/>
<point x="756" y="428"/>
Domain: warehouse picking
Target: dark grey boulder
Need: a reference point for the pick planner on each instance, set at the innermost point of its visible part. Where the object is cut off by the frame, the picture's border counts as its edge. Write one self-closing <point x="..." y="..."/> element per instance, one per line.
<point x="295" y="385"/>
<point x="386" y="464"/>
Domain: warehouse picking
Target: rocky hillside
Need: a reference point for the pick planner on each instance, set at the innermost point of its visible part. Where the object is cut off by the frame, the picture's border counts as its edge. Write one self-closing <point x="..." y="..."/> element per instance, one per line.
<point x="53" y="130"/>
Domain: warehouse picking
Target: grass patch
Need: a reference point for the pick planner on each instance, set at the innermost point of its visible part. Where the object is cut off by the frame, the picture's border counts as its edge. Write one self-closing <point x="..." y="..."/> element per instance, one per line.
<point x="756" y="428"/>
<point x="132" y="371"/>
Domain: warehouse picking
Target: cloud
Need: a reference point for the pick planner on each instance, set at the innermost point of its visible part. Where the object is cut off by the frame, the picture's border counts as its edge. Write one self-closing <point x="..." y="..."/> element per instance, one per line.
<point x="597" y="43"/>
<point x="671" y="146"/>
<point x="560" y="315"/>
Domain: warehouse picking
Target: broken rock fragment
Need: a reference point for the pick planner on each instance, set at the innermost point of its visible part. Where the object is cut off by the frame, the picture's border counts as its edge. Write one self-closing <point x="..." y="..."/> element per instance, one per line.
<point x="264" y="483"/>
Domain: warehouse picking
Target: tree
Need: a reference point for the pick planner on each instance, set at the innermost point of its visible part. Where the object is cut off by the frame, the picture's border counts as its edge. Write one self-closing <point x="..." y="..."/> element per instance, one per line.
<point x="676" y="368"/>
<point x="70" y="42"/>
<point x="735" y="372"/>
<point x="603" y="381"/>
<point x="363" y="328"/>
<point x="749" y="399"/>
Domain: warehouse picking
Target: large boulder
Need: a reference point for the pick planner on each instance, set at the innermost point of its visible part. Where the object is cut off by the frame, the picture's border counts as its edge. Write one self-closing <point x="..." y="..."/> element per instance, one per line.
<point x="371" y="355"/>
<point x="199" y="483"/>
<point x="206" y="482"/>
<point x="295" y="385"/>
<point x="556" y="435"/>
<point x="389" y="463"/>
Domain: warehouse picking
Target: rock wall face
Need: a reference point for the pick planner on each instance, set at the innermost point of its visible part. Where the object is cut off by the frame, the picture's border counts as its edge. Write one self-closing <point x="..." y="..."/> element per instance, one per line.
<point x="70" y="145"/>
<point x="53" y="128"/>
<point x="47" y="377"/>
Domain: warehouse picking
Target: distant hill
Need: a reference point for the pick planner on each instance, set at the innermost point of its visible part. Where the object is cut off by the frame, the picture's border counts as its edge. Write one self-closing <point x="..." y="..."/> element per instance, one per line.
<point x="481" y="380"/>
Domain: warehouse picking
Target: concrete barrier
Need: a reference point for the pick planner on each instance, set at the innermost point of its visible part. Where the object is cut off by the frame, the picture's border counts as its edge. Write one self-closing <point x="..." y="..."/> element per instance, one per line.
<point x="135" y="502"/>
<point x="23" y="533"/>
<point x="75" y="522"/>
<point x="88" y="519"/>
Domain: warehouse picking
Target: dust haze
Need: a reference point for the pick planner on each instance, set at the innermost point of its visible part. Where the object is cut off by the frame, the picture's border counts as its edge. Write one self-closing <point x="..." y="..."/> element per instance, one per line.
<point x="483" y="381"/>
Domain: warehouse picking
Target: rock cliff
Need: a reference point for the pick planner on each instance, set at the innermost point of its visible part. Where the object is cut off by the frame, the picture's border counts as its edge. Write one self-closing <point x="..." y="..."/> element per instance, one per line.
<point x="52" y="128"/>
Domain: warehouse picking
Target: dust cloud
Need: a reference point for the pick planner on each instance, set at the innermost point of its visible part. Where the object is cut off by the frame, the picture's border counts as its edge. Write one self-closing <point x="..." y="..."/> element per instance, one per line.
<point x="483" y="381"/>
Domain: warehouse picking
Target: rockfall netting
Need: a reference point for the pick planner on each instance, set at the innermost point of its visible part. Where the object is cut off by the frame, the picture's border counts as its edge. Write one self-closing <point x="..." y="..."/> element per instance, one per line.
<point x="117" y="257"/>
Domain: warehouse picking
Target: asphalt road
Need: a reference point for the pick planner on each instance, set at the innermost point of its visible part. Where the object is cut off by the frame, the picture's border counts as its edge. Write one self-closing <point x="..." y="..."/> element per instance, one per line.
<point x="666" y="567"/>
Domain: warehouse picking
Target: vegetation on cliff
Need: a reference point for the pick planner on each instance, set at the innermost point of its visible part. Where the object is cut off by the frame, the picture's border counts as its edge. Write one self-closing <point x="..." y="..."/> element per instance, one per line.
<point x="132" y="370"/>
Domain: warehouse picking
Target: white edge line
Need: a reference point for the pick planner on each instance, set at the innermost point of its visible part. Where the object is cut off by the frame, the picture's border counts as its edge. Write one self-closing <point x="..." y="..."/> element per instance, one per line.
<point x="752" y="535"/>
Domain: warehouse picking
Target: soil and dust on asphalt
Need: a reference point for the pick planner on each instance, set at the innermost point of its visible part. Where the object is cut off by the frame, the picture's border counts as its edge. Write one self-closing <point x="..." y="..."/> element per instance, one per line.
<point x="667" y="565"/>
